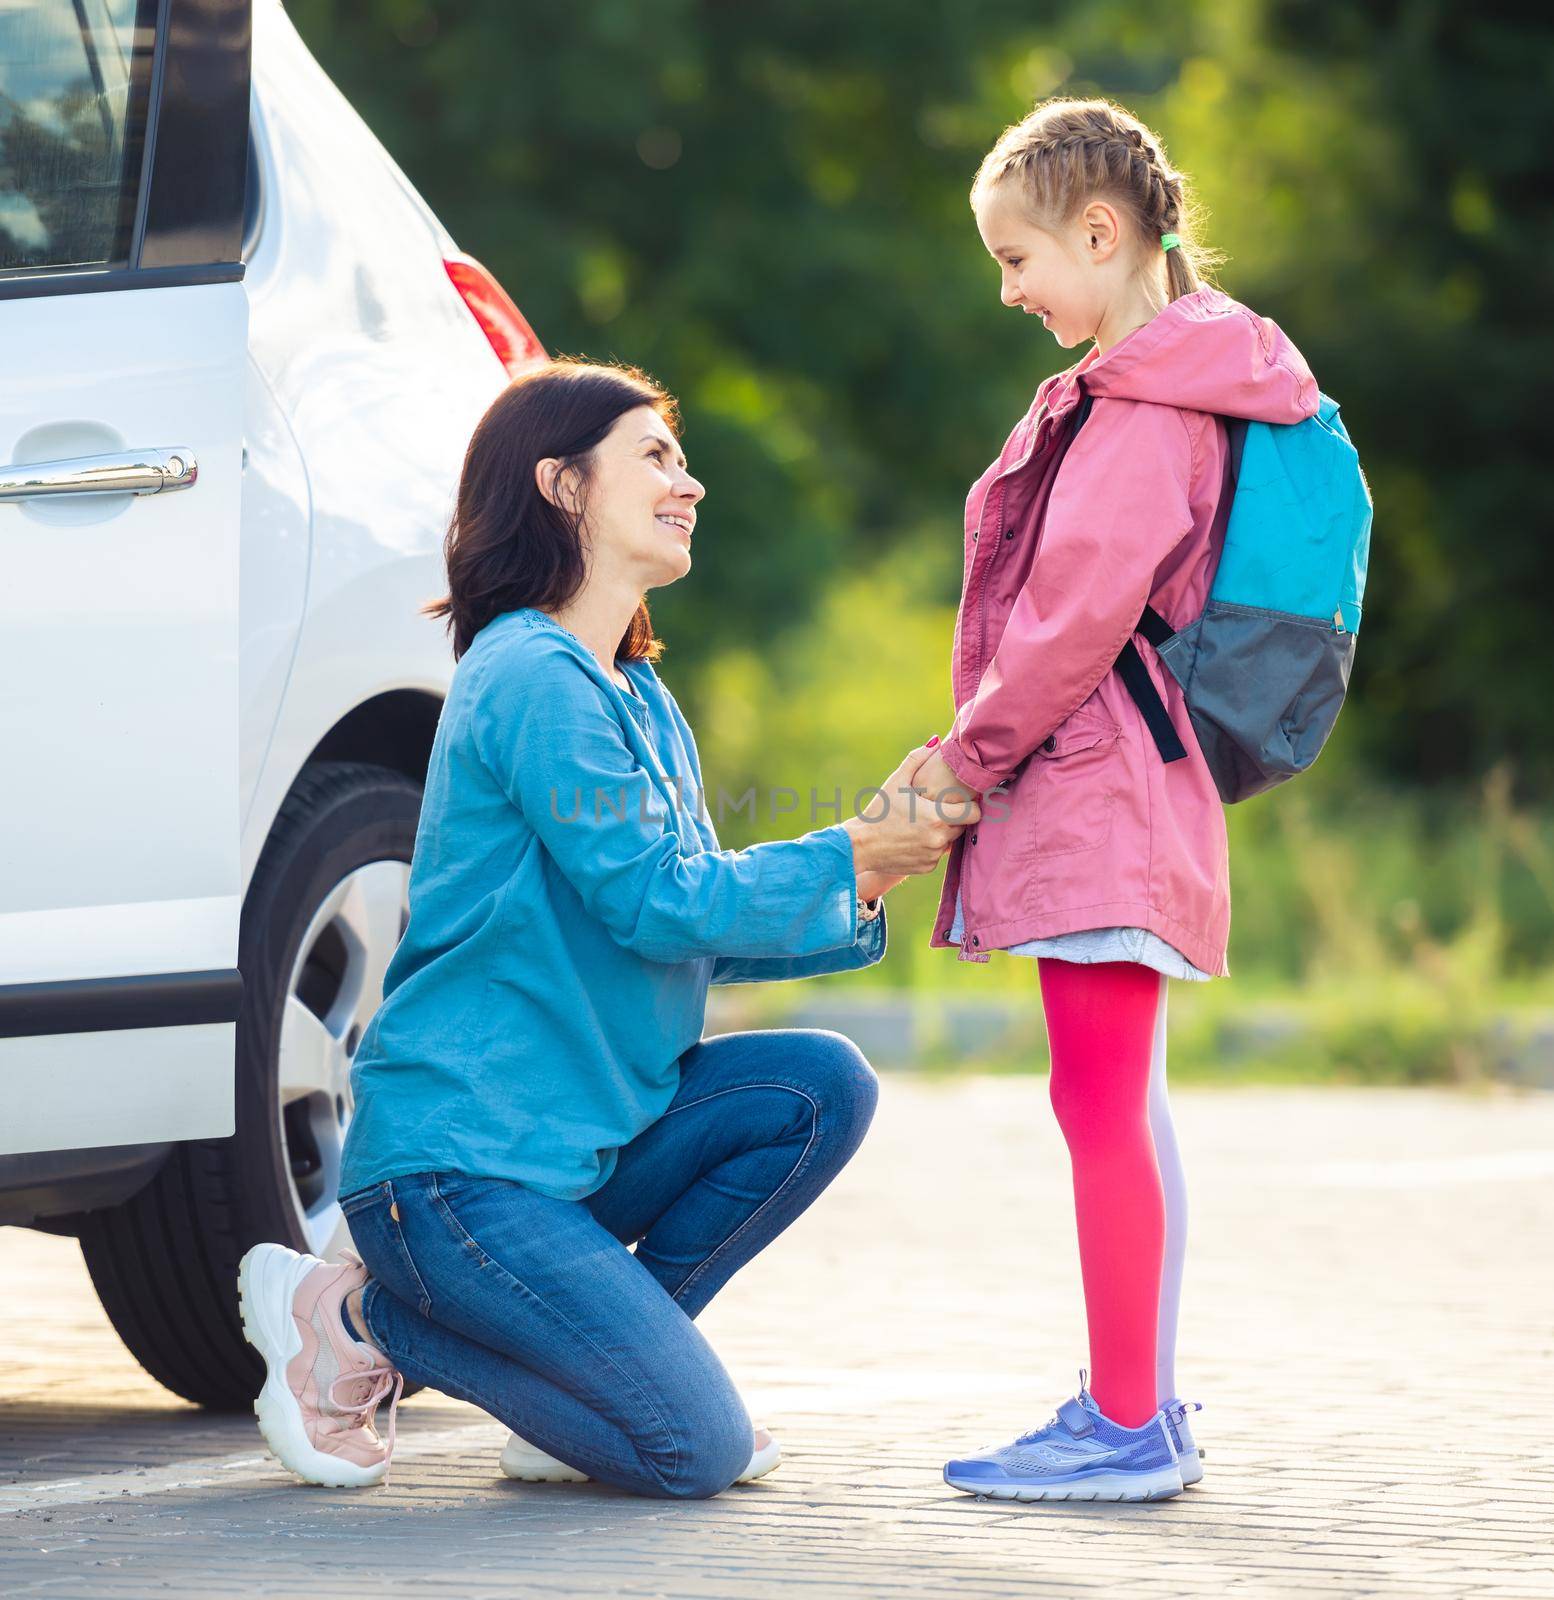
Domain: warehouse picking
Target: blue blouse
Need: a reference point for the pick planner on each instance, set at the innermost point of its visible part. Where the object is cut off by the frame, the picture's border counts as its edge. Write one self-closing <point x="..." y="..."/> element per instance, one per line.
<point x="569" y="907"/>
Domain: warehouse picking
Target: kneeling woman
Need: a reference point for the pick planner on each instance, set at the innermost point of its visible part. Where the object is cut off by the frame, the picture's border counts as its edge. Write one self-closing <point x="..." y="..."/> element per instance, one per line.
<point x="534" y="1096"/>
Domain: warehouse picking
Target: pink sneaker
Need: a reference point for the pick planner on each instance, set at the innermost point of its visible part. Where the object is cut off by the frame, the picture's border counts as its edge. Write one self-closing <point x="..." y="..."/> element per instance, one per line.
<point x="321" y="1386"/>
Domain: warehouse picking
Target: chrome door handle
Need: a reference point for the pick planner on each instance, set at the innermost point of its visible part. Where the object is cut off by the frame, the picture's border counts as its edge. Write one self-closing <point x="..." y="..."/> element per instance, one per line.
<point x="130" y="472"/>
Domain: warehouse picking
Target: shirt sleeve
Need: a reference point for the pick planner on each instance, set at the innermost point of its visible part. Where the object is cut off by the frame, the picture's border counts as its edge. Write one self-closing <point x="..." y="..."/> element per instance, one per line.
<point x="553" y="741"/>
<point x="865" y="951"/>
<point x="1119" y="505"/>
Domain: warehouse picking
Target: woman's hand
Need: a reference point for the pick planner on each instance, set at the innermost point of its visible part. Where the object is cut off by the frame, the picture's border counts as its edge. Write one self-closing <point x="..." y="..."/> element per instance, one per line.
<point x="898" y="834"/>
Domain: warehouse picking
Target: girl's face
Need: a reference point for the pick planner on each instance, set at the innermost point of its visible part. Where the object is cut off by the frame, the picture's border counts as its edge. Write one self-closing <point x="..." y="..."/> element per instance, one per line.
<point x="640" y="504"/>
<point x="1062" y="277"/>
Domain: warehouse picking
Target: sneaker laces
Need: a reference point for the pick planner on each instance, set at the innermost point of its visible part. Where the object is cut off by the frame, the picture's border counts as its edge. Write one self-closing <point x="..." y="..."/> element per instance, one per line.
<point x="1054" y="1420"/>
<point x="379" y="1380"/>
<point x="1036" y="1433"/>
<point x="1168" y="1416"/>
<point x="1173" y="1412"/>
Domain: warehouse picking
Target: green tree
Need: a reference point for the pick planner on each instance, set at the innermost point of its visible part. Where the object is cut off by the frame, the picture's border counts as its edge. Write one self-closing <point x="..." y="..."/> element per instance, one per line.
<point x="766" y="206"/>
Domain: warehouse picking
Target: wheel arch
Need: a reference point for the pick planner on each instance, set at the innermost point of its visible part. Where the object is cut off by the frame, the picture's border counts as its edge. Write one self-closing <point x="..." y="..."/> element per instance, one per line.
<point x="392" y="729"/>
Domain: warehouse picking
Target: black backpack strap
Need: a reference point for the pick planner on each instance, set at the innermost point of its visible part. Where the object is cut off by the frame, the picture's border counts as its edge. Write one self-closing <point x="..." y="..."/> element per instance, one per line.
<point x="1154" y="627"/>
<point x="1135" y="675"/>
<point x="1235" y="429"/>
<point x="1130" y="664"/>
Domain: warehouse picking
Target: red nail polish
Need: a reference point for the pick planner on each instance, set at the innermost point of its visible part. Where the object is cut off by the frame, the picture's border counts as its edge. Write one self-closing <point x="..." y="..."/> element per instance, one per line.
<point x="933" y="741"/>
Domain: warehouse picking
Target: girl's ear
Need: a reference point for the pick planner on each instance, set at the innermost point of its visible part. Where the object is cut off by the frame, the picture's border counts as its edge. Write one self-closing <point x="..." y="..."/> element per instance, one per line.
<point x="1102" y="230"/>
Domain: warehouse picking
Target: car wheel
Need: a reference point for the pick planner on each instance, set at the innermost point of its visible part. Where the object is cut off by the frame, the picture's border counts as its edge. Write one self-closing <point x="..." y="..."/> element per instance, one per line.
<point x="325" y="909"/>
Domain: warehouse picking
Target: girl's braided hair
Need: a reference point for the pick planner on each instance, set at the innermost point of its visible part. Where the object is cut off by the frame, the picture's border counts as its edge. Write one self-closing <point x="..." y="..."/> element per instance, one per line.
<point x="1067" y="152"/>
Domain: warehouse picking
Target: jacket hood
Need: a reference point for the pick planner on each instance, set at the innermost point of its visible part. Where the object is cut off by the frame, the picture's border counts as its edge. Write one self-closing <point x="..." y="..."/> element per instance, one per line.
<point x="1207" y="352"/>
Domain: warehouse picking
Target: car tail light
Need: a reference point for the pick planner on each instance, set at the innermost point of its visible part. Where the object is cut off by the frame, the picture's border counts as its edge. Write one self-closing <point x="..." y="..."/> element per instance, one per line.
<point x="514" y="341"/>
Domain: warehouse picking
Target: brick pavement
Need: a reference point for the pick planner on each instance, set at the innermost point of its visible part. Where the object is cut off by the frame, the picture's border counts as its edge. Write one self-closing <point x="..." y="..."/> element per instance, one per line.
<point x="1367" y="1319"/>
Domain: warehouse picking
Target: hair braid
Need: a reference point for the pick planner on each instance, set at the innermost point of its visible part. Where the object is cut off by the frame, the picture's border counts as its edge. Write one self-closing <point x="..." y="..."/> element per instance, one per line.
<point x="1068" y="151"/>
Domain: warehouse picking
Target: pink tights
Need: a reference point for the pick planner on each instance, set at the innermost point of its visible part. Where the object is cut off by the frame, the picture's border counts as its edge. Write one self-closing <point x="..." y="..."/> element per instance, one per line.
<point x="1101" y="1030"/>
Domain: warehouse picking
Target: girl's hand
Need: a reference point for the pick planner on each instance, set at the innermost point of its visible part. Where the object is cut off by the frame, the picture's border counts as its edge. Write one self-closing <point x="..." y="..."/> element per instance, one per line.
<point x="934" y="780"/>
<point x="896" y="835"/>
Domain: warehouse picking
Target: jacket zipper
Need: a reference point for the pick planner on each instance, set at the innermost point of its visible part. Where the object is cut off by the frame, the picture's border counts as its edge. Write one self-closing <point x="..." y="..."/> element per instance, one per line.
<point x="976" y="539"/>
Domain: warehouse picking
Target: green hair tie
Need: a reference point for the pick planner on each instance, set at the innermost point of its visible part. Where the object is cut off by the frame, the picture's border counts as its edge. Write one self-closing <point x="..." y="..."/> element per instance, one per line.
<point x="1169" y="241"/>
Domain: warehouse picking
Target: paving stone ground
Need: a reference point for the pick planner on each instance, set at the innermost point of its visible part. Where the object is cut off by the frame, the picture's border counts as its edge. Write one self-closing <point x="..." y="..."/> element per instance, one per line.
<point x="1367" y="1320"/>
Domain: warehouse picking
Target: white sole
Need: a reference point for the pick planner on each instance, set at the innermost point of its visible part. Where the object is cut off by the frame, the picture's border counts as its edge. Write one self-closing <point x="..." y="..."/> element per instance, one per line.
<point x="1192" y="1467"/>
<point x="761" y="1463"/>
<point x="1160" y="1485"/>
<point x="527" y="1463"/>
<point x="267" y="1280"/>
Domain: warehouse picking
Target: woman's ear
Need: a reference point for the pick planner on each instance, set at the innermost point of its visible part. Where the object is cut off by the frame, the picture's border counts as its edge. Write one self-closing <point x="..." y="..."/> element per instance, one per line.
<point x="556" y="487"/>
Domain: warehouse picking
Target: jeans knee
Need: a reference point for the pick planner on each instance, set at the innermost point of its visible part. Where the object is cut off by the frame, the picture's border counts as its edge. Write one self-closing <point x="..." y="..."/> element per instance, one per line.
<point x="841" y="1078"/>
<point x="710" y="1460"/>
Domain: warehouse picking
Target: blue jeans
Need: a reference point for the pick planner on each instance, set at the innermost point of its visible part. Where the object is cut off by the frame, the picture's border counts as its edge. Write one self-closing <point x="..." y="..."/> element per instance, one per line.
<point x="536" y="1311"/>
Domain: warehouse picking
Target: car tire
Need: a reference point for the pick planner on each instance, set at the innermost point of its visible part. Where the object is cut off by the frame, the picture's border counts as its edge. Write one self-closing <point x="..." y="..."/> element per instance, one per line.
<point x="164" y="1263"/>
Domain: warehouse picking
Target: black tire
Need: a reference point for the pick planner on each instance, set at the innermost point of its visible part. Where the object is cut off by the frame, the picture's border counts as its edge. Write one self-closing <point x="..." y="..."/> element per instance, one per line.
<point x="164" y="1263"/>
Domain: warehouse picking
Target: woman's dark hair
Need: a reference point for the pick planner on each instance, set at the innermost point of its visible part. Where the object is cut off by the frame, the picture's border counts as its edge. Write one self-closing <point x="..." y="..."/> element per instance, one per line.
<point x="507" y="546"/>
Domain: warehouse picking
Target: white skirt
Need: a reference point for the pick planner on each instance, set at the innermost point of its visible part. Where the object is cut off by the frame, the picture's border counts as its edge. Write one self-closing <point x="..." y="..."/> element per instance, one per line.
<point x="1089" y="945"/>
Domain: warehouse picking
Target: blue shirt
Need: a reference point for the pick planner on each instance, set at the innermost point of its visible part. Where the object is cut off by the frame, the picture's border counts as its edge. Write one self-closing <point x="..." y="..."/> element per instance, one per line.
<point x="568" y="909"/>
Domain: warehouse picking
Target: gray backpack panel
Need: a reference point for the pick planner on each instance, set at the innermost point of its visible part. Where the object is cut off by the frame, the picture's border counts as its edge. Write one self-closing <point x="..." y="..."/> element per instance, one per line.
<point x="1257" y="731"/>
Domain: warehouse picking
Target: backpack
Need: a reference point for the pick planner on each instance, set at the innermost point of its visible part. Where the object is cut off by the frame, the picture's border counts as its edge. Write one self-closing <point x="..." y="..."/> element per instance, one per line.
<point x="1265" y="668"/>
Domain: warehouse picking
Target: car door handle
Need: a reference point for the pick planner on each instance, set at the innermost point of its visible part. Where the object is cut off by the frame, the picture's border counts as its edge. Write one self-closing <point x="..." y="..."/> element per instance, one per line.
<point x="128" y="472"/>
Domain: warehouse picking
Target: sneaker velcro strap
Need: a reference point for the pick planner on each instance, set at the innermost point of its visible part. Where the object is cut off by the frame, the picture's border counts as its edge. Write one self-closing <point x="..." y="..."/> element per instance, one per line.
<point x="1076" y="1419"/>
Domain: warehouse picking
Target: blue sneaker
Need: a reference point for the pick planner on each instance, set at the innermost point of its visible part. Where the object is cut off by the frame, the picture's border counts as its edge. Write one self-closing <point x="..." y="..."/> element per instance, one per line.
<point x="1080" y="1455"/>
<point x="1188" y="1454"/>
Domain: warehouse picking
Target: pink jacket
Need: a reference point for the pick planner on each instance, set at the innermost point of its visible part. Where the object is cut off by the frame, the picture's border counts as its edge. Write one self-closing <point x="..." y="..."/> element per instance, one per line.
<point x="1091" y="829"/>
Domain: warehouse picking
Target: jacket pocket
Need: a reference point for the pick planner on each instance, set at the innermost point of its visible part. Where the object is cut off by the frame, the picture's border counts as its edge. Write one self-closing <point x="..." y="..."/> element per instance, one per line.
<point x="1071" y="786"/>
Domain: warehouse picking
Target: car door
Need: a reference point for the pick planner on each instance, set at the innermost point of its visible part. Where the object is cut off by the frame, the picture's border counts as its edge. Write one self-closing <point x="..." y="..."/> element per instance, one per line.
<point x="123" y="338"/>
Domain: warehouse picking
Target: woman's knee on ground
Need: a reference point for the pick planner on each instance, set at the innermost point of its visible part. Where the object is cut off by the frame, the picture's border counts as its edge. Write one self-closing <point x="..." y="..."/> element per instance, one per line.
<point x="709" y="1455"/>
<point x="838" y="1075"/>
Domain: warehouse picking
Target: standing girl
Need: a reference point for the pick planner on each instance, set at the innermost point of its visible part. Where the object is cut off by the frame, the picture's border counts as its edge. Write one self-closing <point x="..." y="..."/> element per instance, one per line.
<point x="1103" y="861"/>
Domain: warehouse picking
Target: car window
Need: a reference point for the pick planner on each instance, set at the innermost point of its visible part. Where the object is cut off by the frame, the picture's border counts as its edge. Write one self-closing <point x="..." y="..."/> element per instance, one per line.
<point x="74" y="82"/>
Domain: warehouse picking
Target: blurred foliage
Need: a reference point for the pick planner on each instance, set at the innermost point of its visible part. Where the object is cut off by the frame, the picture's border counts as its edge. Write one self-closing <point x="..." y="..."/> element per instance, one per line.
<point x="766" y="206"/>
<point x="1343" y="878"/>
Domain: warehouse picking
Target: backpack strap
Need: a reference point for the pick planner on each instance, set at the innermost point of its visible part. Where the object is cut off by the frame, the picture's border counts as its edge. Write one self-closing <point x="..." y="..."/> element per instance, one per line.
<point x="1139" y="684"/>
<point x="1130" y="664"/>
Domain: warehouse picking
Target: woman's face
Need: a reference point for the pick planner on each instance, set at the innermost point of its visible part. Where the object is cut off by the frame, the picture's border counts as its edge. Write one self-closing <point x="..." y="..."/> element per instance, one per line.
<point x="641" y="504"/>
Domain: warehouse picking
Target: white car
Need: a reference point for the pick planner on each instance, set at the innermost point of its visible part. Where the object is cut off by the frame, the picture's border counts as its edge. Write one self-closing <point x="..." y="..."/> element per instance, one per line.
<point x="240" y="362"/>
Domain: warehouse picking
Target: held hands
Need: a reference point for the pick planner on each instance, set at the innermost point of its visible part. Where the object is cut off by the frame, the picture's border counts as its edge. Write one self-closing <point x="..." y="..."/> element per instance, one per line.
<point x="920" y="813"/>
<point x="935" y="781"/>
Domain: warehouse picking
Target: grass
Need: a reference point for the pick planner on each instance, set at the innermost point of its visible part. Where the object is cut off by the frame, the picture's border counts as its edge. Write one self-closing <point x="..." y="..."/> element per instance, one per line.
<point x="1378" y="934"/>
<point x="1378" y="939"/>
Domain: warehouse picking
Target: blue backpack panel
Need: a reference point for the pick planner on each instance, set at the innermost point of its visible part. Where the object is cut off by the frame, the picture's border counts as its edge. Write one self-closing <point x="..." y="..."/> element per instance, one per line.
<point x="1265" y="668"/>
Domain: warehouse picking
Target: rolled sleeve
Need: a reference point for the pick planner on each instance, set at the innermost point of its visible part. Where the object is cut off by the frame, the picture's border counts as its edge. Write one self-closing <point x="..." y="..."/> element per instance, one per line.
<point x="558" y="749"/>
<point x="866" y="950"/>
